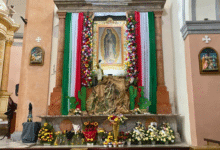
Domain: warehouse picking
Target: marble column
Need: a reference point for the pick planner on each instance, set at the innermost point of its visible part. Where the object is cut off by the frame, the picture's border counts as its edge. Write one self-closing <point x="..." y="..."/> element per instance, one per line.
<point x="55" y="100"/>
<point x="163" y="104"/>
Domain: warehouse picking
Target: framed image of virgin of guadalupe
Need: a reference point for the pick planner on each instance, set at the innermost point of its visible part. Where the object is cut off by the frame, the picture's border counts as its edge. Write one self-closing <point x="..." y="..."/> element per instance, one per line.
<point x="208" y="61"/>
<point x="37" y="56"/>
<point x="110" y="46"/>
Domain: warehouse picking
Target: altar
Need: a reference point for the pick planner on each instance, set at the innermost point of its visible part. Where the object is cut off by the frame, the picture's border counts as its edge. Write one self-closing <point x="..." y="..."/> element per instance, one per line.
<point x="110" y="77"/>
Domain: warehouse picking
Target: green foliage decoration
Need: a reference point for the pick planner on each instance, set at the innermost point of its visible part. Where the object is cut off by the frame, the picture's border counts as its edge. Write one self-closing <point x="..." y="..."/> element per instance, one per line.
<point x="73" y="102"/>
<point x="82" y="96"/>
<point x="132" y="95"/>
<point x="144" y="103"/>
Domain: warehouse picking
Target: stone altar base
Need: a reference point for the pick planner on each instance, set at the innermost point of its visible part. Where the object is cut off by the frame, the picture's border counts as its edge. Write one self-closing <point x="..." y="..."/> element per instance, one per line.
<point x="128" y="126"/>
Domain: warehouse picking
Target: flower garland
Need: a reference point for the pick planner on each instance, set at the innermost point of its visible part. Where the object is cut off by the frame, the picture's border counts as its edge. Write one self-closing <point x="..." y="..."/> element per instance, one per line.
<point x="131" y="59"/>
<point x="86" y="57"/>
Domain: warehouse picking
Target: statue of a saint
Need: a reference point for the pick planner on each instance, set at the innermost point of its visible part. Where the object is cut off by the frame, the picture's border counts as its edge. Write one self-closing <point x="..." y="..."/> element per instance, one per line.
<point x="100" y="72"/>
<point x="110" y="47"/>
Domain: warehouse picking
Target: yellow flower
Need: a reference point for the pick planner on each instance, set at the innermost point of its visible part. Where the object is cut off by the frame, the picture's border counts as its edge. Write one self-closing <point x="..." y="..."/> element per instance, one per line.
<point x="46" y="129"/>
<point x="116" y="119"/>
<point x="86" y="123"/>
<point x="96" y="124"/>
<point x="152" y="139"/>
<point x="45" y="124"/>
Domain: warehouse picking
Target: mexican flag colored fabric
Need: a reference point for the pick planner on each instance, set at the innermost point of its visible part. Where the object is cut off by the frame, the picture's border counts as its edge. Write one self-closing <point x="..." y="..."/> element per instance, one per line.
<point x="146" y="52"/>
<point x="72" y="57"/>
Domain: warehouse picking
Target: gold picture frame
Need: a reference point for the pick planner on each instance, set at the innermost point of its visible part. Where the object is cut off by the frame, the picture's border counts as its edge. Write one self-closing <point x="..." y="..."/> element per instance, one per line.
<point x="98" y="46"/>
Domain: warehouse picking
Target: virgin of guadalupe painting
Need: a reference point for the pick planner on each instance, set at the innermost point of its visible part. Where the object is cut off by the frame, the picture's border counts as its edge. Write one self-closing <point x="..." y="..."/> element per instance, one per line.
<point x="37" y="56"/>
<point x="109" y="47"/>
<point x="110" y="44"/>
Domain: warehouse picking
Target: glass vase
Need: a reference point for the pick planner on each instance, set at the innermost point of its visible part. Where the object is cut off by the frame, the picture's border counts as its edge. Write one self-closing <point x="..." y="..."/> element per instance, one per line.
<point x="153" y="142"/>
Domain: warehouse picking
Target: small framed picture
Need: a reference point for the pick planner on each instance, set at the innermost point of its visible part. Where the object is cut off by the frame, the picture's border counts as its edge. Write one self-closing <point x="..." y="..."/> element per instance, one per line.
<point x="208" y="61"/>
<point x="37" y="56"/>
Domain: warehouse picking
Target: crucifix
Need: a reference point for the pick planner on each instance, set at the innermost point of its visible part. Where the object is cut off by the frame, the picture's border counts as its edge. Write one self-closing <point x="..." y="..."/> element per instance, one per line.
<point x="206" y="39"/>
<point x="38" y="39"/>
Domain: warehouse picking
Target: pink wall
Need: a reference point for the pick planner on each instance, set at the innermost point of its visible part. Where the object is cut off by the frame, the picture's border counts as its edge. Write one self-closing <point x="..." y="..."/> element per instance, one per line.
<point x="34" y="80"/>
<point x="203" y="91"/>
<point x="15" y="66"/>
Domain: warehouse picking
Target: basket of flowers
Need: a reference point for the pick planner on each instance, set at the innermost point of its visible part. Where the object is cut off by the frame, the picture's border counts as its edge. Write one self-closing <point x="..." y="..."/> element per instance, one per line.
<point x="46" y="134"/>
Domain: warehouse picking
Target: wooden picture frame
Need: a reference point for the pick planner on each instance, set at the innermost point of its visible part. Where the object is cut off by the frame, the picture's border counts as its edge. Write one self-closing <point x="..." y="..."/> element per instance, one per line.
<point x="208" y="61"/>
<point x="37" y="56"/>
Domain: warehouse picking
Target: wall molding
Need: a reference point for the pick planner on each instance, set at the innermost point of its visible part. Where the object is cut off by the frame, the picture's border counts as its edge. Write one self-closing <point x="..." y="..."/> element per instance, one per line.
<point x="109" y="5"/>
<point x="18" y="35"/>
<point x="200" y="27"/>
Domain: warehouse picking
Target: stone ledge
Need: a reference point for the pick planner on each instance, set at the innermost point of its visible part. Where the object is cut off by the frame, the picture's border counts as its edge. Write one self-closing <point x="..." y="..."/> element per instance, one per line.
<point x="109" y="6"/>
<point x="200" y="27"/>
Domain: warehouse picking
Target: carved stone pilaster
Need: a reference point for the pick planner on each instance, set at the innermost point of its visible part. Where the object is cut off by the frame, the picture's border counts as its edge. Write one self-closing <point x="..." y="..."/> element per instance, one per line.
<point x="6" y="64"/>
<point x="163" y="104"/>
<point x="55" y="100"/>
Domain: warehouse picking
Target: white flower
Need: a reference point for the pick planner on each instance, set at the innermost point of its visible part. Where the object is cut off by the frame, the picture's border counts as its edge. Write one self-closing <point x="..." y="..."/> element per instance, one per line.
<point x="169" y="138"/>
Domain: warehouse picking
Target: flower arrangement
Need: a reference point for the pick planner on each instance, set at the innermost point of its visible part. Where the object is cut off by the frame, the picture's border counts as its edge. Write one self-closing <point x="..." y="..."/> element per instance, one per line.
<point x="152" y="133"/>
<point x="77" y="111"/>
<point x="138" y="134"/>
<point x="46" y="134"/>
<point x="166" y="134"/>
<point x="131" y="59"/>
<point x="86" y="57"/>
<point x="117" y="119"/>
<point x="90" y="131"/>
<point x="137" y="111"/>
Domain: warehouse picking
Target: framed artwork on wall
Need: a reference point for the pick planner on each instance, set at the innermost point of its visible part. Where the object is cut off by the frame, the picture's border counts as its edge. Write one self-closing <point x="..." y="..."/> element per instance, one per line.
<point x="208" y="61"/>
<point x="37" y="56"/>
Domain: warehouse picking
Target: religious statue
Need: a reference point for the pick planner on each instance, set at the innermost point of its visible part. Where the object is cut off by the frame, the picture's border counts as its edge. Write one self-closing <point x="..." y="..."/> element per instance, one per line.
<point x="100" y="72"/>
<point x="110" y="47"/>
<point x="29" y="118"/>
